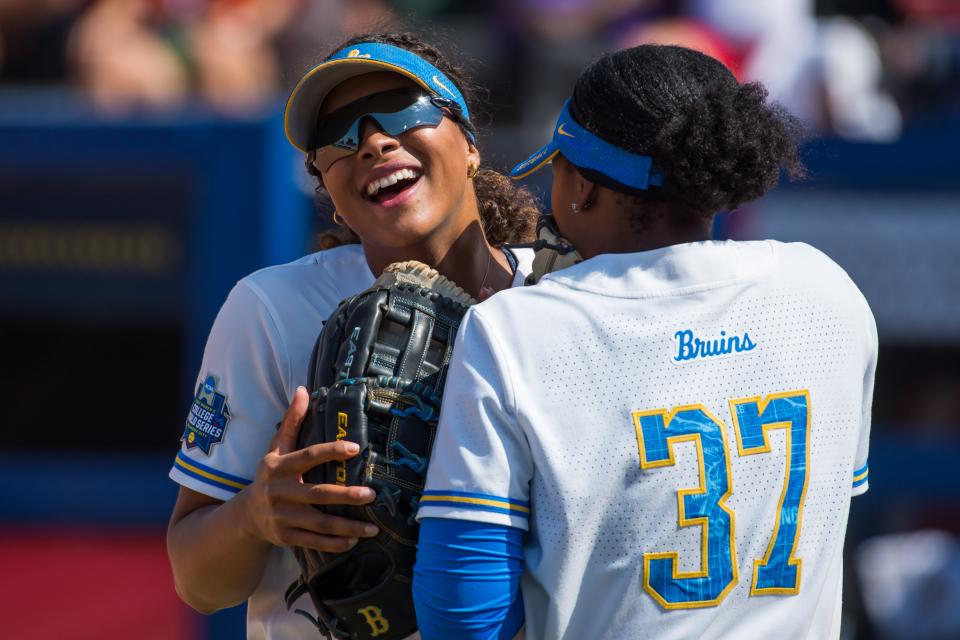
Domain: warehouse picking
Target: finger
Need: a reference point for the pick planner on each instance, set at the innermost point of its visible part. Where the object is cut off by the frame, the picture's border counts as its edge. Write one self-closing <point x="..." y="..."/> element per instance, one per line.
<point x="289" y="490"/>
<point x="307" y="458"/>
<point x="310" y="540"/>
<point x="285" y="440"/>
<point x="335" y="495"/>
<point x="314" y="521"/>
<point x="336" y="526"/>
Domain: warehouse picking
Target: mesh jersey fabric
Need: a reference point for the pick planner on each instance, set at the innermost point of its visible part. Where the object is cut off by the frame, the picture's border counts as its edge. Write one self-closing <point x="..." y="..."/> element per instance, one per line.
<point x="579" y="409"/>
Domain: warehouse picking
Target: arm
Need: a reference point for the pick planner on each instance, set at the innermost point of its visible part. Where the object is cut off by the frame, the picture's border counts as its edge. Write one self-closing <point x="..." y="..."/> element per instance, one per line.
<point x="197" y="561"/>
<point x="218" y="550"/>
<point x="467" y="580"/>
<point x="475" y="509"/>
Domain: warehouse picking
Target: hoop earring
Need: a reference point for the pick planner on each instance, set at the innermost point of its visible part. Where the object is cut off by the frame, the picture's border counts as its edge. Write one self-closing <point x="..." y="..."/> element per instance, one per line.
<point x="335" y="218"/>
<point x="472" y="171"/>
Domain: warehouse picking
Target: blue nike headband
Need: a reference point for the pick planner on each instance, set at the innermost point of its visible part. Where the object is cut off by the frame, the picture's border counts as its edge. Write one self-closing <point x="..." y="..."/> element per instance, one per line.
<point x="587" y="151"/>
<point x="300" y="115"/>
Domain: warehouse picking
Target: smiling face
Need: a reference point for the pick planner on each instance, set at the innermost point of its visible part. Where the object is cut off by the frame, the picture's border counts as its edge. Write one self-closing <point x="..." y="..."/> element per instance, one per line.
<point x="404" y="190"/>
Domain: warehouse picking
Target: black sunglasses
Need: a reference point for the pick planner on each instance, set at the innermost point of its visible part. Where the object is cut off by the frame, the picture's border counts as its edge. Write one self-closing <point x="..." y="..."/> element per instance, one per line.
<point x="397" y="111"/>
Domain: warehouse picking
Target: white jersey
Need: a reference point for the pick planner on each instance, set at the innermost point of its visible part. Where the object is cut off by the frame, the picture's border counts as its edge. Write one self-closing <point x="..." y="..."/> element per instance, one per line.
<point x="680" y="432"/>
<point x="256" y="356"/>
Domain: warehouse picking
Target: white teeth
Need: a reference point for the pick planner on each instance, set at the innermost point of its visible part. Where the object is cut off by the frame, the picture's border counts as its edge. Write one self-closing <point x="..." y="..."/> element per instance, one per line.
<point x="402" y="174"/>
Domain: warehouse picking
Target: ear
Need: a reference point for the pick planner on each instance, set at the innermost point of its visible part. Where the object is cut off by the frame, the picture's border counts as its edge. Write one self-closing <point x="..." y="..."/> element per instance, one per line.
<point x="473" y="154"/>
<point x="586" y="193"/>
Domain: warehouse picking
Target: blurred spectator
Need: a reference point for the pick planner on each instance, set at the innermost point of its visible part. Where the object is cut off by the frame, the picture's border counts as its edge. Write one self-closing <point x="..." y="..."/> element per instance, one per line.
<point x="145" y="53"/>
<point x="858" y="108"/>
<point x="233" y="55"/>
<point x="921" y="56"/>
<point x="122" y="61"/>
<point x="777" y="41"/>
<point x="853" y="67"/>
<point x="911" y="584"/>
<point x="235" y="66"/>
<point x="829" y="72"/>
<point x="685" y="32"/>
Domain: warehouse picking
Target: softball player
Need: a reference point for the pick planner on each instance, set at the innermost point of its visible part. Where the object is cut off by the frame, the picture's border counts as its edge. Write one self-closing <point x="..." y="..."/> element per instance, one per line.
<point x="388" y="133"/>
<point x="667" y="443"/>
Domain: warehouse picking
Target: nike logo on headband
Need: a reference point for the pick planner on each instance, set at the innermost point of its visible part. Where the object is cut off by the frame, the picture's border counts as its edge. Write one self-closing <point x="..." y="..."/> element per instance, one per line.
<point x="436" y="81"/>
<point x="564" y="133"/>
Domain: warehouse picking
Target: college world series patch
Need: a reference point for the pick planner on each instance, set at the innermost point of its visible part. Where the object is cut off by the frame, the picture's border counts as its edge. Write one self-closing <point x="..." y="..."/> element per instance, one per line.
<point x="208" y="417"/>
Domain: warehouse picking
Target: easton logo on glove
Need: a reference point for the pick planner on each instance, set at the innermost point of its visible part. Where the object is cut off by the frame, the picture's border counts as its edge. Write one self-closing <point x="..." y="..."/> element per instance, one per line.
<point x="351" y="351"/>
<point x="342" y="422"/>
<point x="376" y="378"/>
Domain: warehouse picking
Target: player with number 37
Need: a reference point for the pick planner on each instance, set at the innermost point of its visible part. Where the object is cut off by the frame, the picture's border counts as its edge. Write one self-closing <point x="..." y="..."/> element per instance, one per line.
<point x="660" y="439"/>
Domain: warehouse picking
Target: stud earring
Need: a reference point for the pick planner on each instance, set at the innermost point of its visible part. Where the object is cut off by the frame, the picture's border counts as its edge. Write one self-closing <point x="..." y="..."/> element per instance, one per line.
<point x="472" y="171"/>
<point x="586" y="205"/>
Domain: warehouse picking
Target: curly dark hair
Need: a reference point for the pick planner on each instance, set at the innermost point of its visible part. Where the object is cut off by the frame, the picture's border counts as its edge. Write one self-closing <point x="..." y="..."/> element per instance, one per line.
<point x="717" y="142"/>
<point x="508" y="213"/>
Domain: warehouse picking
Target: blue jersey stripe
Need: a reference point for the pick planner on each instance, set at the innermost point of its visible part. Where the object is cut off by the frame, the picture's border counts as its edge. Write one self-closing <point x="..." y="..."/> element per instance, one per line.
<point x="206" y="480"/>
<point x="209" y="475"/>
<point x="220" y="474"/>
<point x="860" y="475"/>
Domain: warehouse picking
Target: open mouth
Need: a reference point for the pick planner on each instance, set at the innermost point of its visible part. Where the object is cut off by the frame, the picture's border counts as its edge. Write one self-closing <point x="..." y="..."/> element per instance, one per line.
<point x="385" y="189"/>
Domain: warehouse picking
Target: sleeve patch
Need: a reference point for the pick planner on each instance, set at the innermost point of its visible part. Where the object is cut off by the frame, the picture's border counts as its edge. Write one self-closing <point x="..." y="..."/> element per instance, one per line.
<point x="208" y="417"/>
<point x="211" y="476"/>
<point x="478" y="501"/>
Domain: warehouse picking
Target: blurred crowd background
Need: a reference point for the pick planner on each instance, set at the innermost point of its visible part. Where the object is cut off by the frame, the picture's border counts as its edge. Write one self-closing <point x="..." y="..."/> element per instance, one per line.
<point x="857" y="68"/>
<point x="143" y="170"/>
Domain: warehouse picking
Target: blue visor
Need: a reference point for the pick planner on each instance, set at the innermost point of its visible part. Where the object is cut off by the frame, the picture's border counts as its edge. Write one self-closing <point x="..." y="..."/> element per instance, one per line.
<point x="587" y="151"/>
<point x="300" y="115"/>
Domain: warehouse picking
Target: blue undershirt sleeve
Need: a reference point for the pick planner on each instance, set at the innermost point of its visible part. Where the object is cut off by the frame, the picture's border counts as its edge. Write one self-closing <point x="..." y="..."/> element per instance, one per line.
<point x="466" y="582"/>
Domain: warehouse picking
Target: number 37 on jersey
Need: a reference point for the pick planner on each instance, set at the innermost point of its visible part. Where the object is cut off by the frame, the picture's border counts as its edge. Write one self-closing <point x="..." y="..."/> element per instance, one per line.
<point x="778" y="571"/>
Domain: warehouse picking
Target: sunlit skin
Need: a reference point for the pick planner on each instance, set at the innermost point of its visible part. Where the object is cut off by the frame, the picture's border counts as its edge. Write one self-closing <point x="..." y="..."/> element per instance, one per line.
<point x="602" y="221"/>
<point x="439" y="223"/>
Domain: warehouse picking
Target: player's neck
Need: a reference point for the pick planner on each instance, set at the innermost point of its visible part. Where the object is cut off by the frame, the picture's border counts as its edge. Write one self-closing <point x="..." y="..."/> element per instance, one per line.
<point x="461" y="254"/>
<point x="473" y="264"/>
<point x="613" y="232"/>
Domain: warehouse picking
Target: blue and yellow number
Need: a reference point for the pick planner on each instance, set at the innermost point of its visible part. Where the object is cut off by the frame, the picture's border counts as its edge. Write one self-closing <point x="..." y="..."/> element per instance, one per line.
<point x="778" y="572"/>
<point x="657" y="434"/>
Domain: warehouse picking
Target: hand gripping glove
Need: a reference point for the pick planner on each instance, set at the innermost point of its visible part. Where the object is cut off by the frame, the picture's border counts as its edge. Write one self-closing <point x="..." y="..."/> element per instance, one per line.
<point x="376" y="378"/>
